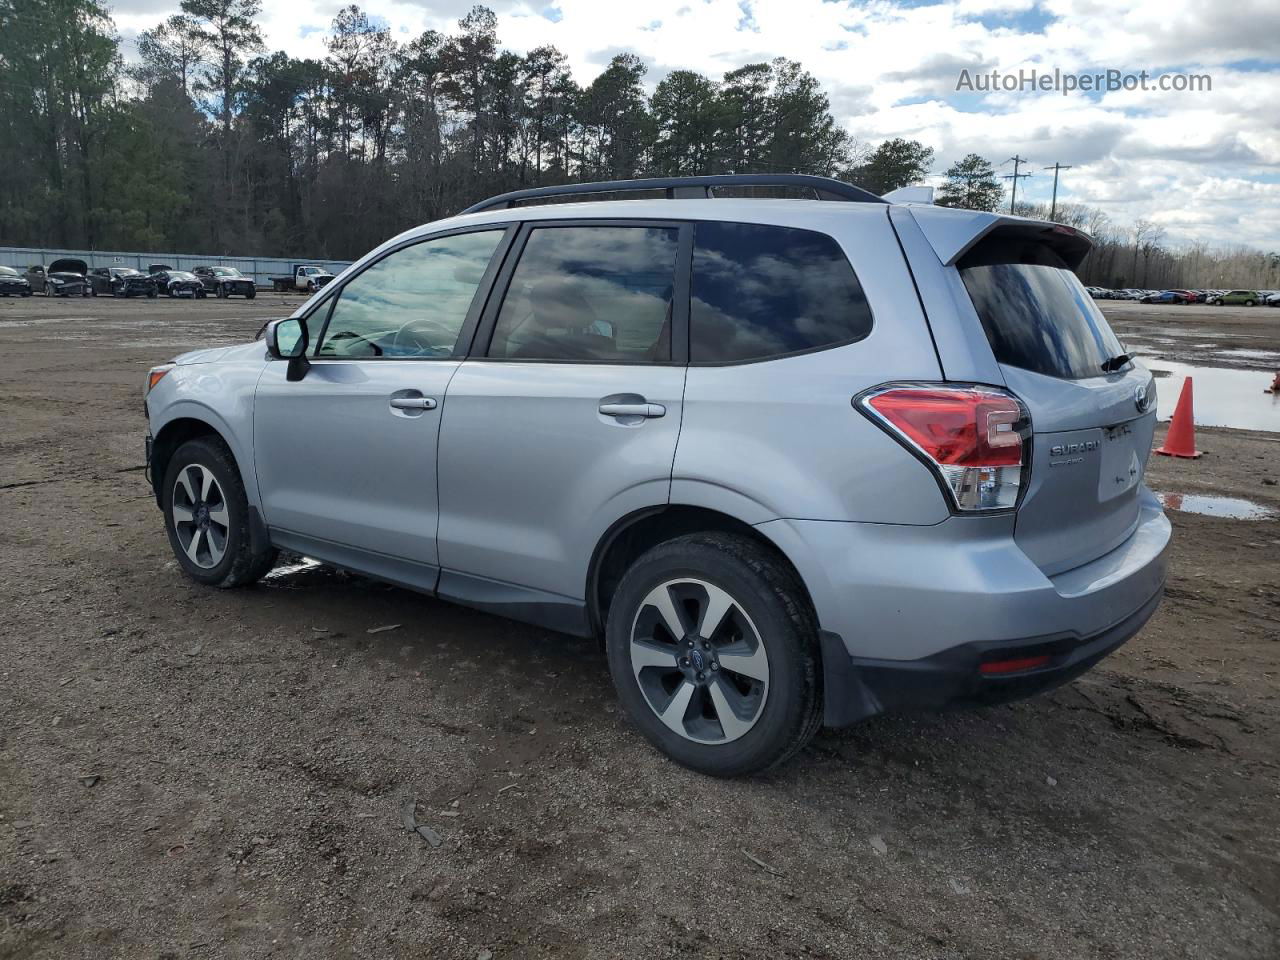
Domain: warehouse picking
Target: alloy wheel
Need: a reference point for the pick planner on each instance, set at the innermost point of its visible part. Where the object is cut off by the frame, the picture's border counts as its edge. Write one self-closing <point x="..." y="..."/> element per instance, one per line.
<point x="201" y="520"/>
<point x="699" y="661"/>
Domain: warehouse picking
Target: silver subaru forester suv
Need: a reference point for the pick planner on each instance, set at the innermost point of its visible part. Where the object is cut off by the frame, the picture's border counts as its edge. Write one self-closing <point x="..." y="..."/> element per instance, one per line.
<point x="796" y="461"/>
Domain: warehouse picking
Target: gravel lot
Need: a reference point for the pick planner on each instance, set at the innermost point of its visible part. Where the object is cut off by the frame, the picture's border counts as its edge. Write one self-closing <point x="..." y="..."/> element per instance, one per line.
<point x="192" y="773"/>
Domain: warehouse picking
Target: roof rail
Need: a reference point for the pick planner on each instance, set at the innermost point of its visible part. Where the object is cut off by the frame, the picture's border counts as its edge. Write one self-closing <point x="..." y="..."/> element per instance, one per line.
<point x="683" y="188"/>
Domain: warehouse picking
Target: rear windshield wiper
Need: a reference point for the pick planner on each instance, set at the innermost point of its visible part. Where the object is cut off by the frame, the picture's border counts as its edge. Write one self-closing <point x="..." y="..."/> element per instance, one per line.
<point x="1116" y="362"/>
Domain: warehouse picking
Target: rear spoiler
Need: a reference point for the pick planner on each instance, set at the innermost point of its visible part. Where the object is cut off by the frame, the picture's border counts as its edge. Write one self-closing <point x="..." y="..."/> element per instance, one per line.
<point x="953" y="233"/>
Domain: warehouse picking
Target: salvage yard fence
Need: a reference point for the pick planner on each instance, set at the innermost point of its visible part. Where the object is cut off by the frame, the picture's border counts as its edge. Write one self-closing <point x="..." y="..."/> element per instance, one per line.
<point x="259" y="268"/>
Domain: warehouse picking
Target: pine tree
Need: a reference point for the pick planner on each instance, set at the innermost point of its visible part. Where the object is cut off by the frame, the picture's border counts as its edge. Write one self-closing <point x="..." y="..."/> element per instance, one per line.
<point x="971" y="184"/>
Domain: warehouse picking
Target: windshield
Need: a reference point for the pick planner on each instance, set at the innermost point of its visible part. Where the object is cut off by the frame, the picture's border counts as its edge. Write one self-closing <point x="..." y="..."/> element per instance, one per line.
<point x="1035" y="312"/>
<point x="8" y="272"/>
<point x="180" y="275"/>
<point x="125" y="272"/>
<point x="225" y="272"/>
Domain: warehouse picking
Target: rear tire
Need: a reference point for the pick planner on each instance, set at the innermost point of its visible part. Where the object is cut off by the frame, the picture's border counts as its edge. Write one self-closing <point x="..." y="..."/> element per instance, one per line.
<point x="206" y="515"/>
<point x="738" y="697"/>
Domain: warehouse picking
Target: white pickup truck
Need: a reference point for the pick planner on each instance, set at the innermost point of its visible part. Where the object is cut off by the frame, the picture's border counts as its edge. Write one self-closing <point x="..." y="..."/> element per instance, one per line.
<point x="306" y="276"/>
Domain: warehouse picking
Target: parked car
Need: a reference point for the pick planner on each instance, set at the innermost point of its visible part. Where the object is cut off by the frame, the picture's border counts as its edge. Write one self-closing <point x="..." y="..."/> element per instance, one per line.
<point x="1247" y="298"/>
<point x="226" y="282"/>
<point x="35" y="277"/>
<point x="178" y="283"/>
<point x="61" y="278"/>
<point x="1273" y="300"/>
<point x="305" y="276"/>
<point x="726" y="436"/>
<point x="67" y="277"/>
<point x="13" y="284"/>
<point x="121" y="282"/>
<point x="1169" y="296"/>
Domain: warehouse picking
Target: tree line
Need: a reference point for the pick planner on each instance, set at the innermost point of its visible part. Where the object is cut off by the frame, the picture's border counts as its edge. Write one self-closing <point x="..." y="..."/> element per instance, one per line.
<point x="204" y="140"/>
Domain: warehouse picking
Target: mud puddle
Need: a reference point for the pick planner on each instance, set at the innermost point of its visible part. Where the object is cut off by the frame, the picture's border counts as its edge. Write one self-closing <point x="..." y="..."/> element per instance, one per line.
<point x="1223" y="397"/>
<point x="1234" y="508"/>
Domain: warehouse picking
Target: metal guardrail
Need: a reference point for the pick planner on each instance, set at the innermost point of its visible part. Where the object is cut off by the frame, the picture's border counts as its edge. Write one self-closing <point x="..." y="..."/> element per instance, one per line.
<point x="259" y="268"/>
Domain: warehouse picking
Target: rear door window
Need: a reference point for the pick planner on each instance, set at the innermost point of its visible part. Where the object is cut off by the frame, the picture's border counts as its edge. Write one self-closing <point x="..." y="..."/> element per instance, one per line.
<point x="762" y="291"/>
<point x="590" y="293"/>
<point x="1036" y="314"/>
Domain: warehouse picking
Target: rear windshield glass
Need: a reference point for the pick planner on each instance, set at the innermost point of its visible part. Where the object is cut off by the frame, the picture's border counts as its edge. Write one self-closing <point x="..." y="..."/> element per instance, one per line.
<point x="1036" y="313"/>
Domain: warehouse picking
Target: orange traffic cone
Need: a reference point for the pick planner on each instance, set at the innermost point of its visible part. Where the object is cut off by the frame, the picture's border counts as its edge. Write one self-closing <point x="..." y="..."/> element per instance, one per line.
<point x="1180" y="441"/>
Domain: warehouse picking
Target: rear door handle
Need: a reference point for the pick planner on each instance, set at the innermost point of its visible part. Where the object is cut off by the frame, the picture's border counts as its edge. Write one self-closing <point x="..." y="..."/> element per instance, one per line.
<point x="649" y="410"/>
<point x="413" y="403"/>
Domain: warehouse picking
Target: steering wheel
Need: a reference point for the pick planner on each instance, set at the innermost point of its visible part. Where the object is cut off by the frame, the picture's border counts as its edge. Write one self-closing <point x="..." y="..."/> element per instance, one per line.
<point x="422" y="338"/>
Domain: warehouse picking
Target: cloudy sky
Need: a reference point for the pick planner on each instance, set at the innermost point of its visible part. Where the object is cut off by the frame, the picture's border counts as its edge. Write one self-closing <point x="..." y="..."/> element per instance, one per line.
<point x="1204" y="165"/>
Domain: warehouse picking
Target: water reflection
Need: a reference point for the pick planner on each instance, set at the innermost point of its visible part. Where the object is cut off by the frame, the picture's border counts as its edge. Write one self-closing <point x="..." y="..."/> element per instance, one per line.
<point x="1223" y="397"/>
<point x="1232" y="507"/>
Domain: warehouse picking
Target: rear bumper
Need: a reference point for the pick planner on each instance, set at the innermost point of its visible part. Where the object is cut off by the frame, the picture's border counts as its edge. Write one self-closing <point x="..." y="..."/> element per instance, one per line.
<point x="909" y="613"/>
<point x="856" y="688"/>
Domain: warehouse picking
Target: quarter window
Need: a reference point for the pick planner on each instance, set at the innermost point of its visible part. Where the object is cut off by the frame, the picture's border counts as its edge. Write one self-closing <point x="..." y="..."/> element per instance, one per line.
<point x="763" y="291"/>
<point x="412" y="303"/>
<point x="592" y="293"/>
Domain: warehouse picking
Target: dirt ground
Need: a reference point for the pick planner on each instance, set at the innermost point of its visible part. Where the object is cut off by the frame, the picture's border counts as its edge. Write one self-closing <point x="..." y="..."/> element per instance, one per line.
<point x="1246" y="338"/>
<point x="186" y="772"/>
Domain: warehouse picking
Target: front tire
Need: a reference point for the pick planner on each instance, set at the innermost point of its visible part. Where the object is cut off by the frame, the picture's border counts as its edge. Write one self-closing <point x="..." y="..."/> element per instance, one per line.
<point x="207" y="516"/>
<point x="714" y="652"/>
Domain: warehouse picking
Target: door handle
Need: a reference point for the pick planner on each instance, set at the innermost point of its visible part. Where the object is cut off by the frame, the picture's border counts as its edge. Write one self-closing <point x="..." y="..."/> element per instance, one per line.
<point x="413" y="403"/>
<point x="648" y="410"/>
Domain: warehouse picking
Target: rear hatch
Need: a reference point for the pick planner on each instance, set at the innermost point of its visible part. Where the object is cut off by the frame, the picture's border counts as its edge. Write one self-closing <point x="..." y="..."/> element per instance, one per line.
<point x="1092" y="411"/>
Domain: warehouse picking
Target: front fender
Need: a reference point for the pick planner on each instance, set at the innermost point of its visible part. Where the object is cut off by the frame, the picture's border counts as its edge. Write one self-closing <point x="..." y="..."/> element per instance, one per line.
<point x="219" y="395"/>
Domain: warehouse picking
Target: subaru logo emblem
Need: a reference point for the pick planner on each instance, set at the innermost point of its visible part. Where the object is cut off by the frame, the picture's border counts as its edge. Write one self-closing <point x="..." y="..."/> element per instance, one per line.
<point x="696" y="657"/>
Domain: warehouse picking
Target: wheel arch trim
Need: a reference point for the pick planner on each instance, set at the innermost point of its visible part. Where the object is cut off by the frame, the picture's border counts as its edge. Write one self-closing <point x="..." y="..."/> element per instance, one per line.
<point x="188" y="419"/>
<point x="718" y="519"/>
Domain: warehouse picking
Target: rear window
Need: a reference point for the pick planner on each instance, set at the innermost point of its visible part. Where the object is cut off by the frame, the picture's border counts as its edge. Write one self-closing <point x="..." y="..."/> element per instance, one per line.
<point x="762" y="291"/>
<point x="590" y="293"/>
<point x="1036" y="313"/>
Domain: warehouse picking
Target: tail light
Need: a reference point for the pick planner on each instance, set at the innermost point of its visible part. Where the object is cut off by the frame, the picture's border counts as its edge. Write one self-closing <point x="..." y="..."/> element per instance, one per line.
<point x="975" y="438"/>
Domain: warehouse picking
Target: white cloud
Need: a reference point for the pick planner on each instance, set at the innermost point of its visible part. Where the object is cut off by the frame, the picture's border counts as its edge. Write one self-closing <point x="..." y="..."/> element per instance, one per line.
<point x="1204" y="165"/>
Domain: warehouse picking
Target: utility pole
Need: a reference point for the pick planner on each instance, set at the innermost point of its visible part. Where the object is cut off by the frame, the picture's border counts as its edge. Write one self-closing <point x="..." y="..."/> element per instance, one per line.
<point x="1015" y="177"/>
<point x="1053" y="207"/>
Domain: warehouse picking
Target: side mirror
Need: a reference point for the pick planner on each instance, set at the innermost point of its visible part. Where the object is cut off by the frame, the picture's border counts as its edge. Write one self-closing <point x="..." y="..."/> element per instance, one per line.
<point x="287" y="340"/>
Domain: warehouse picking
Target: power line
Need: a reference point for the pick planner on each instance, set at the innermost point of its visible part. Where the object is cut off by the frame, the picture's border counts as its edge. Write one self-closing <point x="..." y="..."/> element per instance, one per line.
<point x="1015" y="177"/>
<point x="1053" y="207"/>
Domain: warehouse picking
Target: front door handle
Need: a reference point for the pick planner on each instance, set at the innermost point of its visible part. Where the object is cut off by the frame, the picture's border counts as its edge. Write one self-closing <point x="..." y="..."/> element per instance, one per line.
<point x="648" y="410"/>
<point x="413" y="403"/>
